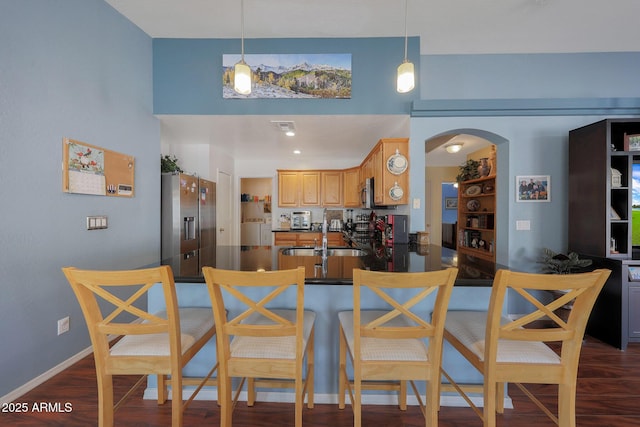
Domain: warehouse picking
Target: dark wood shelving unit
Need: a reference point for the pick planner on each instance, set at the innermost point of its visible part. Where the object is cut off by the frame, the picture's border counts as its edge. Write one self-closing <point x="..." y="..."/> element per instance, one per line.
<point x="600" y="222"/>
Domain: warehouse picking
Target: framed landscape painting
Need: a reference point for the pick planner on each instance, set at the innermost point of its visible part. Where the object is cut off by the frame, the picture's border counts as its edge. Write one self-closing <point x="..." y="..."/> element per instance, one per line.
<point x="533" y="188"/>
<point x="292" y="76"/>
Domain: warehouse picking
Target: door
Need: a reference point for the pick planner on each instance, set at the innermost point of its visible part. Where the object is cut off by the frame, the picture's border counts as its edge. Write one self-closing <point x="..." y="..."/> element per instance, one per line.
<point x="224" y="209"/>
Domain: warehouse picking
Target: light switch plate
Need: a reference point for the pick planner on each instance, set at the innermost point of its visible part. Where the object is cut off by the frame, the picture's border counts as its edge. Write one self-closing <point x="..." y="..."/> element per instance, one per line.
<point x="97" y="222"/>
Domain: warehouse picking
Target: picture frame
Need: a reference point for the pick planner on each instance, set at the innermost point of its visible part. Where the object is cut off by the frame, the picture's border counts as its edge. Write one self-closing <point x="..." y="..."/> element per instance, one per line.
<point x="451" y="203"/>
<point x="632" y="142"/>
<point x="304" y="76"/>
<point x="533" y="188"/>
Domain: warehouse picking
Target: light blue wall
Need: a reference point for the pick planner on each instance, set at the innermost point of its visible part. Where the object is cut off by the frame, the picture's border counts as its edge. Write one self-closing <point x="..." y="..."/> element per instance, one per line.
<point x="524" y="76"/>
<point x="188" y="76"/>
<point x="77" y="69"/>
<point x="526" y="105"/>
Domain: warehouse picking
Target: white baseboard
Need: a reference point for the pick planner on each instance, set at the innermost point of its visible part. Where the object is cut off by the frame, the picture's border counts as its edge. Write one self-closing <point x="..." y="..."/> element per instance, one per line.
<point x="27" y="387"/>
<point x="332" y="399"/>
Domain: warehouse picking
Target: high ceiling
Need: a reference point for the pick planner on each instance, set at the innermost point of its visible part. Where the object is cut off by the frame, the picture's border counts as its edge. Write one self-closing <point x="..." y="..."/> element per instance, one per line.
<point x="444" y="27"/>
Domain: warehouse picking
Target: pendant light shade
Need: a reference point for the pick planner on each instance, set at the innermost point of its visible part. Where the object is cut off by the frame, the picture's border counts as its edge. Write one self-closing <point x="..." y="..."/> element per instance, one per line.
<point x="242" y="78"/>
<point x="241" y="71"/>
<point x="406" y="76"/>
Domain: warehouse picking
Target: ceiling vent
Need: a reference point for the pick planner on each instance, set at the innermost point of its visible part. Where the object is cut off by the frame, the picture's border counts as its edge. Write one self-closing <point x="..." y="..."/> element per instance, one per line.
<point x="288" y="128"/>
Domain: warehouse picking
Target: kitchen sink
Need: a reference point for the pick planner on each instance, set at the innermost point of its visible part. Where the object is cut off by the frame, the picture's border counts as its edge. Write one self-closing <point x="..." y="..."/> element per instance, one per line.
<point x="337" y="251"/>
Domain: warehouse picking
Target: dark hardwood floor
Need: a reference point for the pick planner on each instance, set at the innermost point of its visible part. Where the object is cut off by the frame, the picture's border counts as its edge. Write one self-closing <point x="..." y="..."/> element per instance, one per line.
<point x="608" y="395"/>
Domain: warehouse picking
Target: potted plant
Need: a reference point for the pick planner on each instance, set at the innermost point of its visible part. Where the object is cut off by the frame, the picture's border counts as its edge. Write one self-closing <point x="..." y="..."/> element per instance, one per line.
<point x="558" y="263"/>
<point x="468" y="171"/>
<point x="169" y="164"/>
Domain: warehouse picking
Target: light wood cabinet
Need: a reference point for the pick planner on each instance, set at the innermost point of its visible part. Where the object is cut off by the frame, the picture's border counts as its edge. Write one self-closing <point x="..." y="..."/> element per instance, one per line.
<point x="389" y="188"/>
<point x="288" y="188"/>
<point x="292" y="238"/>
<point x="298" y="188"/>
<point x="352" y="186"/>
<point x="331" y="188"/>
<point x="338" y="188"/>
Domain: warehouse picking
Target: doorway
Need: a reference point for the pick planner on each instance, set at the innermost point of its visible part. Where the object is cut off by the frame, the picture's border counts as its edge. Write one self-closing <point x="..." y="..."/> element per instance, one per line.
<point x="442" y="167"/>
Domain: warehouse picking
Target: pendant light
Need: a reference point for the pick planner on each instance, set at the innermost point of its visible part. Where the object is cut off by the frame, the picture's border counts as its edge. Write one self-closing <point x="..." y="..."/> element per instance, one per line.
<point x="242" y="72"/>
<point x="406" y="75"/>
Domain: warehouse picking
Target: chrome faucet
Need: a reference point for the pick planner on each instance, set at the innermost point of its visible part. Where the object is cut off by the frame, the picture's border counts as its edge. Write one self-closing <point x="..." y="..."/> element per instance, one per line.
<point x="324" y="234"/>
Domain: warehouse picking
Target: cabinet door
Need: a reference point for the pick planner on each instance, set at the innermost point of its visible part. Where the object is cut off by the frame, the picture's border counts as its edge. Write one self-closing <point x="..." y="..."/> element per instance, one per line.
<point x="309" y="188"/>
<point x="335" y="239"/>
<point x="379" y="186"/>
<point x="332" y="188"/>
<point x="285" y="239"/>
<point x="309" y="239"/>
<point x="288" y="189"/>
<point x="352" y="188"/>
<point x="388" y="148"/>
<point x="634" y="311"/>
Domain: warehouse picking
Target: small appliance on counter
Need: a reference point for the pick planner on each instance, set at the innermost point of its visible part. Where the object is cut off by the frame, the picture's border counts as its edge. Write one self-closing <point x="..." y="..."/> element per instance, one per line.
<point x="396" y="229"/>
<point x="301" y="220"/>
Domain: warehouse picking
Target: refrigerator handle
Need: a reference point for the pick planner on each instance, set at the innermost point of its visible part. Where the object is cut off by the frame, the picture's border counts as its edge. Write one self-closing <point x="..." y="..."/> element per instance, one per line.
<point x="189" y="228"/>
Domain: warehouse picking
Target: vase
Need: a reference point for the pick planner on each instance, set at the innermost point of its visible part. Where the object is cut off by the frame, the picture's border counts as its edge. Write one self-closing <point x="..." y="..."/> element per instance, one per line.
<point x="484" y="167"/>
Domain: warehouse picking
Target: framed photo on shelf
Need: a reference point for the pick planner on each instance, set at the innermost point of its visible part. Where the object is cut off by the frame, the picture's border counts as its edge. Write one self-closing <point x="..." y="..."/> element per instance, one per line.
<point x="451" y="203"/>
<point x="632" y="142"/>
<point x="533" y="188"/>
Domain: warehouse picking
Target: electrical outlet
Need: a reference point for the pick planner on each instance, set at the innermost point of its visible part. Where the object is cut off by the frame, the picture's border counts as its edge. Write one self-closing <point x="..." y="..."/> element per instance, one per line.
<point x="63" y="325"/>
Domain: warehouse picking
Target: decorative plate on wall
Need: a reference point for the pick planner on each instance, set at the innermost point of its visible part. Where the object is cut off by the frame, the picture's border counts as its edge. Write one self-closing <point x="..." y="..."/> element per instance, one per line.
<point x="397" y="163"/>
<point x="396" y="192"/>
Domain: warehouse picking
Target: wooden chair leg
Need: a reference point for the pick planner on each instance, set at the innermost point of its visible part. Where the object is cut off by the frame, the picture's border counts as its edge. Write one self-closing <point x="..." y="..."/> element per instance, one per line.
<point x="224" y="397"/>
<point x="567" y="405"/>
<point x="342" y="372"/>
<point x="402" y="396"/>
<point x="299" y="400"/>
<point x="310" y="371"/>
<point x="489" y="409"/>
<point x="357" y="401"/>
<point x="500" y="398"/>
<point x="432" y="403"/>
<point x="176" y="399"/>
<point x="162" y="389"/>
<point x="251" y="391"/>
<point x="105" y="400"/>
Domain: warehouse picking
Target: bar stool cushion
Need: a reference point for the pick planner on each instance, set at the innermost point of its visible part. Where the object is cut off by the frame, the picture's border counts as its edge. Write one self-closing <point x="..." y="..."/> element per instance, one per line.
<point x="469" y="327"/>
<point x="194" y="324"/>
<point x="271" y="347"/>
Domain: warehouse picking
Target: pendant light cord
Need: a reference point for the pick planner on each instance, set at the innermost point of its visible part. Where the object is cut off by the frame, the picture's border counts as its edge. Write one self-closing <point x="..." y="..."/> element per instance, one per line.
<point x="406" y="10"/>
<point x="242" y="29"/>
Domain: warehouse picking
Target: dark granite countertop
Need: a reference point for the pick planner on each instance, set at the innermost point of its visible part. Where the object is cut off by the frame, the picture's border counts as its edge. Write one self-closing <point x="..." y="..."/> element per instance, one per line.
<point x="337" y="270"/>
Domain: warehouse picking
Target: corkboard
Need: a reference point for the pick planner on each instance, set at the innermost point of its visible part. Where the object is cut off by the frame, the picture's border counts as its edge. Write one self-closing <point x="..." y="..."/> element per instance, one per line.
<point x="89" y="169"/>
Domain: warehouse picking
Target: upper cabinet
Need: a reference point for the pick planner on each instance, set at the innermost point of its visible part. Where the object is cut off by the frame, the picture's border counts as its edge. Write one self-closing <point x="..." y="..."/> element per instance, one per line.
<point x="298" y="188"/>
<point x="387" y="164"/>
<point x="331" y="188"/>
<point x="352" y="185"/>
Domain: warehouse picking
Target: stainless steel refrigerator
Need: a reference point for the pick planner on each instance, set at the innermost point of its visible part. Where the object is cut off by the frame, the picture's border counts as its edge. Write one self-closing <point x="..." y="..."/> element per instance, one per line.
<point x="188" y="212"/>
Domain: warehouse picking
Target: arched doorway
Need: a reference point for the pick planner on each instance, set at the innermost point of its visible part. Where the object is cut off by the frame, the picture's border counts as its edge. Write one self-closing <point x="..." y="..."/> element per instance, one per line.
<point x="442" y="166"/>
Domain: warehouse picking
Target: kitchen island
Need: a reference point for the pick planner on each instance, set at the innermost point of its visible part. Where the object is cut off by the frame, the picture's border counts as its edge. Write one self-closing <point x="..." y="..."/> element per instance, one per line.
<point x="329" y="291"/>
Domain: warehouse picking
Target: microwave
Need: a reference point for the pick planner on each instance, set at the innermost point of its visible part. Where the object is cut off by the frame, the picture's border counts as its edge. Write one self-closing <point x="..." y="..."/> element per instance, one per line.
<point x="301" y="220"/>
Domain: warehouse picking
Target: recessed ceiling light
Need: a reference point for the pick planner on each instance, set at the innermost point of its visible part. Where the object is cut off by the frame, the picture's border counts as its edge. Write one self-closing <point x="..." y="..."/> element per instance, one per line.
<point x="454" y="148"/>
<point x="296" y="151"/>
<point x="290" y="133"/>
